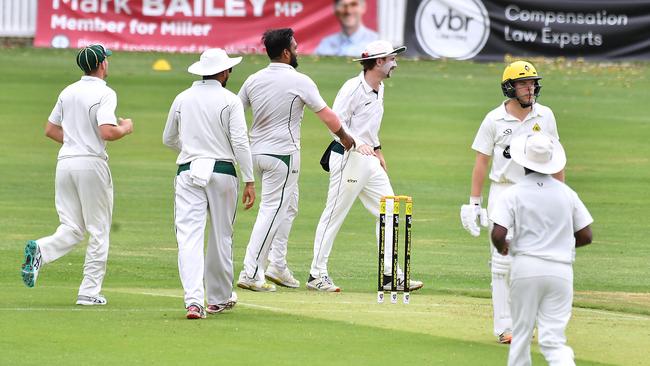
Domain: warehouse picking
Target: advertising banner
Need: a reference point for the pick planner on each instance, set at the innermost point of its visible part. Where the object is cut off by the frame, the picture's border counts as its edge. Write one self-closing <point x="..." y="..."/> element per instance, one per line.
<point x="489" y="29"/>
<point x="186" y="25"/>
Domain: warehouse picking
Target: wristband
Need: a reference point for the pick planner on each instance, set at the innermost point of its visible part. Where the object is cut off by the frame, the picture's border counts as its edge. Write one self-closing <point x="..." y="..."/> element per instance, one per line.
<point x="475" y="200"/>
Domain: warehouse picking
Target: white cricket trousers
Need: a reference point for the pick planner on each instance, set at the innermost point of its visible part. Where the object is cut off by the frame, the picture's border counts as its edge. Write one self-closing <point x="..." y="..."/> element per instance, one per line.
<point x="546" y="299"/>
<point x="279" y="176"/>
<point x="500" y="269"/>
<point x="84" y="202"/>
<point x="192" y="206"/>
<point x="278" y="250"/>
<point x="352" y="175"/>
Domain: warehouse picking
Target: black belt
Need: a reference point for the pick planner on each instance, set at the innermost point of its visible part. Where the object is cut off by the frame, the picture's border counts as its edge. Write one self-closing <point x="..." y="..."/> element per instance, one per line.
<point x="222" y="167"/>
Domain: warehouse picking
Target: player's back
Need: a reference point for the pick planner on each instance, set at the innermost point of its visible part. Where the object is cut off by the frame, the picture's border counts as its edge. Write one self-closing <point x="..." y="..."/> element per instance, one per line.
<point x="277" y="95"/>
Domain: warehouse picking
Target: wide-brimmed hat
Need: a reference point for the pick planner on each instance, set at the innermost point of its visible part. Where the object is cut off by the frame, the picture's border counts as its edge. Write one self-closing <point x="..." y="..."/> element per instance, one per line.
<point x="89" y="57"/>
<point x="539" y="152"/>
<point x="379" y="49"/>
<point x="213" y="61"/>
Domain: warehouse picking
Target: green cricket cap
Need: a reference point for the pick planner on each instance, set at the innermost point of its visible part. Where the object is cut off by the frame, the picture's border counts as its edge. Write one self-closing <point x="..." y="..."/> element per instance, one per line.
<point x="91" y="56"/>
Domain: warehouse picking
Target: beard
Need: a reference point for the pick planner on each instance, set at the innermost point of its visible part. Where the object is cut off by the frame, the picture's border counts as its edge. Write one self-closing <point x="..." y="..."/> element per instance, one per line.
<point x="225" y="81"/>
<point x="294" y="61"/>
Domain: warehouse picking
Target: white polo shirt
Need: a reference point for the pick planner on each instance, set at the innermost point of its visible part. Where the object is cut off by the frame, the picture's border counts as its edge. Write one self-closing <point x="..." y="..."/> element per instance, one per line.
<point x="81" y="108"/>
<point x="277" y="95"/>
<point x="360" y="109"/>
<point x="544" y="214"/>
<point x="496" y="131"/>
<point x="207" y="121"/>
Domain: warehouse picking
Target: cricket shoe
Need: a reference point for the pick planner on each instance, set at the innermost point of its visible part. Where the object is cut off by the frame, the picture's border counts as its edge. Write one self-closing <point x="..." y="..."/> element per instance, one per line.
<point x="195" y="311"/>
<point x="91" y="300"/>
<point x="283" y="277"/>
<point x="505" y="337"/>
<point x="32" y="263"/>
<point x="229" y="304"/>
<point x="413" y="284"/>
<point x="248" y="283"/>
<point x="322" y="283"/>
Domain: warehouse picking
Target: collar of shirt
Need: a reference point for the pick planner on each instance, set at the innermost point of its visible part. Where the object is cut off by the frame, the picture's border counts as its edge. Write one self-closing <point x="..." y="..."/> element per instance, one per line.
<point x="93" y="78"/>
<point x="207" y="82"/>
<point x="358" y="36"/>
<point x="366" y="87"/>
<point x="280" y="65"/>
<point x="504" y="115"/>
<point x="535" y="176"/>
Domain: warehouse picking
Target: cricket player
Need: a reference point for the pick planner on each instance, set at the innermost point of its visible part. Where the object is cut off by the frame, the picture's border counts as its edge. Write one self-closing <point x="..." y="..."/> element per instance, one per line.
<point x="517" y="115"/>
<point x="206" y="126"/>
<point x="361" y="172"/>
<point x="82" y="120"/>
<point x="549" y="222"/>
<point x="277" y="96"/>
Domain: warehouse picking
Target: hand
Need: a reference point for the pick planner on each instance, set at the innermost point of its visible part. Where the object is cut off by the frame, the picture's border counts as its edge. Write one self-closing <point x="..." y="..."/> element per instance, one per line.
<point x="366" y="150"/>
<point x="248" y="198"/>
<point x="127" y="125"/>
<point x="469" y="214"/>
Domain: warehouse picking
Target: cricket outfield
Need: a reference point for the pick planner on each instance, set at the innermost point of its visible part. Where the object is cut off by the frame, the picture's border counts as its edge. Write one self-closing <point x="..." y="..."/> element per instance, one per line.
<point x="432" y="112"/>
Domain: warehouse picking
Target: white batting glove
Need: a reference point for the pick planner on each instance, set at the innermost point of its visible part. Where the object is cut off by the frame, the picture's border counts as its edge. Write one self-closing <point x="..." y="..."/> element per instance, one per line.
<point x="473" y="215"/>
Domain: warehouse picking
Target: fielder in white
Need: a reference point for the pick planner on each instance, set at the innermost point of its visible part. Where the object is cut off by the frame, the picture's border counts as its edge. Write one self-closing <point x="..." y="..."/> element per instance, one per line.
<point x="277" y="96"/>
<point x="206" y="126"/>
<point x="360" y="172"/>
<point x="519" y="114"/>
<point x="83" y="119"/>
<point x="549" y="222"/>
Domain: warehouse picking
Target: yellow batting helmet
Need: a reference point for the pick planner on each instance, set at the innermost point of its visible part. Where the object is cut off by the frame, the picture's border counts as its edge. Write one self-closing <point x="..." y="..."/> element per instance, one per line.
<point x="517" y="71"/>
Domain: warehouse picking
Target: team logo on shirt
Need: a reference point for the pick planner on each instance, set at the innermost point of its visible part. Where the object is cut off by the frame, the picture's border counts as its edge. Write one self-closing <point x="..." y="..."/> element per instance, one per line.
<point x="536" y="128"/>
<point x="506" y="152"/>
<point x="507" y="132"/>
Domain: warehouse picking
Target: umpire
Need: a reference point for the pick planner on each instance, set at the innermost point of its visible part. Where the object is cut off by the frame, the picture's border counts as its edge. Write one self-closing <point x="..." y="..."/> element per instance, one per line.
<point x="549" y="222"/>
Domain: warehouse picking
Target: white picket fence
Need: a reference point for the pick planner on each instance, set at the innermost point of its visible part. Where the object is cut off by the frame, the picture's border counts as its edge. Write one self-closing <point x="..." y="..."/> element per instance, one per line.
<point x="18" y="18"/>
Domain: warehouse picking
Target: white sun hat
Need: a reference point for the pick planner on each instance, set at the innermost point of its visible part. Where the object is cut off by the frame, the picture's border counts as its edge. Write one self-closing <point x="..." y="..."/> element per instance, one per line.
<point x="538" y="152"/>
<point x="379" y="49"/>
<point x="213" y="61"/>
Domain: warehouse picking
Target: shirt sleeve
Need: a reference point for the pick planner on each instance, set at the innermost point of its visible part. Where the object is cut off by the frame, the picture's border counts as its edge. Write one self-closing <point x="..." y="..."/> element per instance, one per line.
<point x="484" y="140"/>
<point x="106" y="110"/>
<point x="553" y="131"/>
<point x="581" y="216"/>
<point x="239" y="140"/>
<point x="503" y="212"/>
<point x="343" y="105"/>
<point x="56" y="117"/>
<point x="311" y="96"/>
<point x="243" y="95"/>
<point x="171" y="133"/>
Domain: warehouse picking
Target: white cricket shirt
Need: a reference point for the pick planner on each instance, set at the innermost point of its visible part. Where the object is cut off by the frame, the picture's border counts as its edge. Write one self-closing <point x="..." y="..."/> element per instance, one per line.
<point x="496" y="131"/>
<point x="81" y="108"/>
<point x="544" y="214"/>
<point x="360" y="109"/>
<point x="207" y="121"/>
<point x="277" y="95"/>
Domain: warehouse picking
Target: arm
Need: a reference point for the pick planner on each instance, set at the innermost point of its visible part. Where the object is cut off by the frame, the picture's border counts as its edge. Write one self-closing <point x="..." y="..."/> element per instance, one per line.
<point x="478" y="173"/>
<point x="499" y="241"/>
<point x="241" y="148"/>
<point x="53" y="131"/>
<point x="110" y="132"/>
<point x="583" y="236"/>
<point x="333" y="123"/>
<point x="171" y="133"/>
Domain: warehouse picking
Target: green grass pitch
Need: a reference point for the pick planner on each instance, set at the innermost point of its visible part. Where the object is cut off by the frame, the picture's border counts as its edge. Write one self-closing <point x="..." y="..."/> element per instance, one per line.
<point x="432" y="111"/>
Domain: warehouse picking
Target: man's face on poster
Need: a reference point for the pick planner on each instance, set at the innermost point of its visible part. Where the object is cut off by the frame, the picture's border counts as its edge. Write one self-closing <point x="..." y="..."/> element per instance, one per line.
<point x="350" y="12"/>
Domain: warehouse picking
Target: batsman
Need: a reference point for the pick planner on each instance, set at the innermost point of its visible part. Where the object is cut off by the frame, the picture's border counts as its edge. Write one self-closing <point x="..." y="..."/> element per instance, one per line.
<point x="518" y="114"/>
